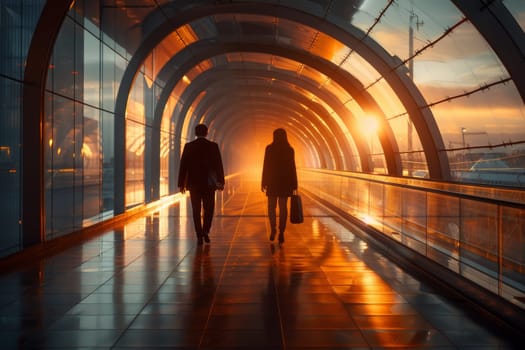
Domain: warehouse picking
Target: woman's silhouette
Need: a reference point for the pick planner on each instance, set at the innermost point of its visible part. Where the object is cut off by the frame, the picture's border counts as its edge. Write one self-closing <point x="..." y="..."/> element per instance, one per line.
<point x="279" y="180"/>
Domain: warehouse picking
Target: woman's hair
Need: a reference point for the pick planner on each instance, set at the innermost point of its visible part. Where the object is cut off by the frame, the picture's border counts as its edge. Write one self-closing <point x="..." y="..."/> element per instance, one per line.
<point x="279" y="137"/>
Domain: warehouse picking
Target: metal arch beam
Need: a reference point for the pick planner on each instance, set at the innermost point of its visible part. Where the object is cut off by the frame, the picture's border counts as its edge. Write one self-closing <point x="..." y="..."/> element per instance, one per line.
<point x="500" y="29"/>
<point x="291" y="100"/>
<point x="33" y="119"/>
<point x="209" y="77"/>
<point x="266" y="105"/>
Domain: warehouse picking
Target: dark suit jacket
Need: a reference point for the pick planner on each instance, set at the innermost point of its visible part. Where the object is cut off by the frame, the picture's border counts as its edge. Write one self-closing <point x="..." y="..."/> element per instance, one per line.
<point x="199" y="159"/>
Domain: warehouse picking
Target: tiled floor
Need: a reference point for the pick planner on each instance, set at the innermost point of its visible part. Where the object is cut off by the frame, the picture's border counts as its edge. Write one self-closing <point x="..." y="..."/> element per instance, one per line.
<point x="148" y="285"/>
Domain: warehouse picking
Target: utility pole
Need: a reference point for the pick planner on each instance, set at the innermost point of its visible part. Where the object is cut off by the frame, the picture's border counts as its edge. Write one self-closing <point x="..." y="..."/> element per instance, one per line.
<point x="413" y="20"/>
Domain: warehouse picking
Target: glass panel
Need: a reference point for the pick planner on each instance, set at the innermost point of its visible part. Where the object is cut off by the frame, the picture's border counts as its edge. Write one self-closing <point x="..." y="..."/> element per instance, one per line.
<point x="459" y="63"/>
<point x="169" y="47"/>
<point x="135" y="108"/>
<point x="517" y="8"/>
<point x="108" y="154"/>
<point x="362" y="17"/>
<point x="92" y="164"/>
<point x="78" y="169"/>
<point x="165" y="139"/>
<point x="386" y="98"/>
<point x="87" y="12"/>
<point x="415" y="165"/>
<point x="50" y="149"/>
<point x="376" y="205"/>
<point x="362" y="203"/>
<point x="135" y="146"/>
<point x="479" y="242"/>
<point x="167" y="113"/>
<point x="62" y="72"/>
<point x="328" y="48"/>
<point x="109" y="79"/>
<point x="443" y="230"/>
<point x="281" y="63"/>
<point x="379" y="164"/>
<point x="10" y="123"/>
<point x="11" y="55"/>
<point x="412" y="157"/>
<point x="60" y="195"/>
<point x="121" y="27"/>
<point x="91" y="70"/>
<point x="393" y="212"/>
<point x="335" y="90"/>
<point x="312" y="74"/>
<point x="513" y="251"/>
<point x="414" y="220"/>
<point x="17" y="22"/>
<point x="361" y="69"/>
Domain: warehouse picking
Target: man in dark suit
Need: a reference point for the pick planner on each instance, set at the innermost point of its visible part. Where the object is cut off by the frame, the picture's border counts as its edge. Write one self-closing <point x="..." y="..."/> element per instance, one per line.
<point x="201" y="172"/>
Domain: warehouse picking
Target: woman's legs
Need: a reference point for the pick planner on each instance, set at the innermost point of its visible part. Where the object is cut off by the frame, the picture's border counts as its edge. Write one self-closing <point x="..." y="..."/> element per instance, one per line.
<point x="283" y="216"/>
<point x="272" y="205"/>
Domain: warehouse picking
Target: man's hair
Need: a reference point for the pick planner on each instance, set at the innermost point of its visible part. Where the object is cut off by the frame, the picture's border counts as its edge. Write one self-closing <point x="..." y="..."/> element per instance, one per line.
<point x="201" y="130"/>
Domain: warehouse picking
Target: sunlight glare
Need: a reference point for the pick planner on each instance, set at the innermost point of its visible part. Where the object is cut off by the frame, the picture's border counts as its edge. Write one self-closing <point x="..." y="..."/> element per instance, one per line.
<point x="370" y="125"/>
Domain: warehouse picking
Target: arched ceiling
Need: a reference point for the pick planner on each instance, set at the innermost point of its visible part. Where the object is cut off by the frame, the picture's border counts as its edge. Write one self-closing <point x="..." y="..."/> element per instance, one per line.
<point x="289" y="64"/>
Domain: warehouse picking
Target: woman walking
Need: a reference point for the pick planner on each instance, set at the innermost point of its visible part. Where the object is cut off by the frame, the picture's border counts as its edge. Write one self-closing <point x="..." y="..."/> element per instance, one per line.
<point x="279" y="180"/>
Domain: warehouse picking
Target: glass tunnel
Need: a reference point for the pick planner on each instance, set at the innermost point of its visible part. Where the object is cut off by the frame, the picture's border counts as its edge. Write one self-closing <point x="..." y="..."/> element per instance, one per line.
<point x="408" y="115"/>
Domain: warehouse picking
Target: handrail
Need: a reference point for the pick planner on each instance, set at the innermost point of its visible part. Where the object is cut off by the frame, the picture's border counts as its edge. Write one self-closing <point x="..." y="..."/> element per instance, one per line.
<point x="514" y="197"/>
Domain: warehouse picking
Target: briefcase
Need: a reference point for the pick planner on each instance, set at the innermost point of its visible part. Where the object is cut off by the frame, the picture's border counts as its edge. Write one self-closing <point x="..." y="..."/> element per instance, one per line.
<point x="296" y="209"/>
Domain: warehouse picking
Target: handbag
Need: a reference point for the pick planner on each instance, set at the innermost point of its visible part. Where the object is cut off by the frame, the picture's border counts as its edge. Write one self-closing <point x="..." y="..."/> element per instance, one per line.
<point x="296" y="209"/>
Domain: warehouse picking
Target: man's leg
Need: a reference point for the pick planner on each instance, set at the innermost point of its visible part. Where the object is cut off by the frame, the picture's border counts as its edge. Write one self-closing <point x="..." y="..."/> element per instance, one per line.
<point x="208" y="203"/>
<point x="196" y="200"/>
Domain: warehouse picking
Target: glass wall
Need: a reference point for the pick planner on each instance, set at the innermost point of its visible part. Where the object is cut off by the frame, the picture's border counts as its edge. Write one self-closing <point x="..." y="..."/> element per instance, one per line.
<point x="18" y="19"/>
<point x="83" y="81"/>
<point x="89" y="60"/>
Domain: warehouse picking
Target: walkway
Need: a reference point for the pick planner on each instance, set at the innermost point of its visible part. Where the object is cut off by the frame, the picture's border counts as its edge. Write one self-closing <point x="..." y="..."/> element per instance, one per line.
<point x="148" y="285"/>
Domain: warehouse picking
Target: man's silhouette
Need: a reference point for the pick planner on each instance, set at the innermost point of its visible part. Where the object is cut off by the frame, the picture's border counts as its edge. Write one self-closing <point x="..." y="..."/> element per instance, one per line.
<point x="201" y="172"/>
